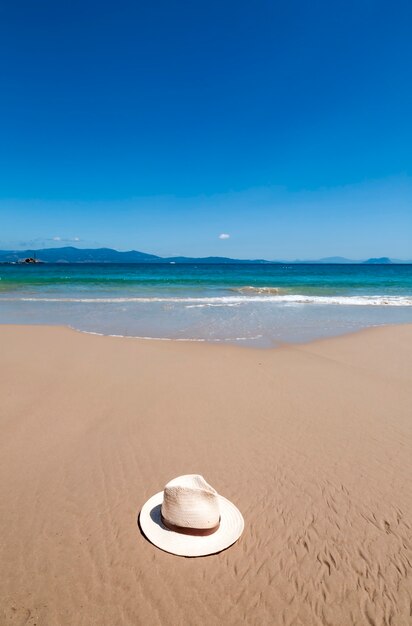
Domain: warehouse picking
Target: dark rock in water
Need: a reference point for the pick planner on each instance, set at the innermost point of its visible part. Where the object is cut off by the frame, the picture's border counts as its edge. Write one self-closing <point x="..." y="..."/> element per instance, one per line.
<point x="30" y="260"/>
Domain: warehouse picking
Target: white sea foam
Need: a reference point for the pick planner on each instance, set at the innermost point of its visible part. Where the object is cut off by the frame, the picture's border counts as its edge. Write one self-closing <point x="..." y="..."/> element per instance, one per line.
<point x="194" y="339"/>
<point x="375" y="300"/>
<point x="210" y="304"/>
<point x="249" y="290"/>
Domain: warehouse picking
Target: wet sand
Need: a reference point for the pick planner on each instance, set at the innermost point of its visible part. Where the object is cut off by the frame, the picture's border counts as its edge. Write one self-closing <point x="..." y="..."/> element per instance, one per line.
<point x="313" y="443"/>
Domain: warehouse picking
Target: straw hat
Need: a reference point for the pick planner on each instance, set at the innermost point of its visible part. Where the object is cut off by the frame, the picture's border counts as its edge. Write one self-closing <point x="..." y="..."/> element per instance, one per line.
<point x="189" y="518"/>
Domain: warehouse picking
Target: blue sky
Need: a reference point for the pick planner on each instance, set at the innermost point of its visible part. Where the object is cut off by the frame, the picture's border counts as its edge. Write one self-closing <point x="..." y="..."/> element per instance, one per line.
<point x="160" y="126"/>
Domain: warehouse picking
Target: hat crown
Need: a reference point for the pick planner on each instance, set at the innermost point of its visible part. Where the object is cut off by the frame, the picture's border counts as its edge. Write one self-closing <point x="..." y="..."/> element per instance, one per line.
<point x="190" y="502"/>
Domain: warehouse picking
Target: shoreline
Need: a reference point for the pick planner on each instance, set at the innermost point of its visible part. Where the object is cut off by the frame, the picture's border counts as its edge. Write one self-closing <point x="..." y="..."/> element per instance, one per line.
<point x="231" y="343"/>
<point x="217" y="342"/>
<point x="227" y="304"/>
<point x="310" y="441"/>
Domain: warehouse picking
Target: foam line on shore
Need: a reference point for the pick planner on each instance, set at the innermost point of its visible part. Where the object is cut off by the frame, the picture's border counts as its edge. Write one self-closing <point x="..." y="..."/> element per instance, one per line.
<point x="183" y="339"/>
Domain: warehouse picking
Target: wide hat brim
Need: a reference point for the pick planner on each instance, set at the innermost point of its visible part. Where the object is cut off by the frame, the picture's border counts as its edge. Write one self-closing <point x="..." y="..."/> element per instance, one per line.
<point x="230" y="528"/>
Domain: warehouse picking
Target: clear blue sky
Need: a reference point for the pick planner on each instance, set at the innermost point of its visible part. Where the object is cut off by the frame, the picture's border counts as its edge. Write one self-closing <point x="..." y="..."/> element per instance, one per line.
<point x="161" y="125"/>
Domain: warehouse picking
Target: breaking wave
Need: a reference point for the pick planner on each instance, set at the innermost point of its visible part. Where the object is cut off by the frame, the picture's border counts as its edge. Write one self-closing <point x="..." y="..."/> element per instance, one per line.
<point x="264" y="291"/>
<point x="376" y="300"/>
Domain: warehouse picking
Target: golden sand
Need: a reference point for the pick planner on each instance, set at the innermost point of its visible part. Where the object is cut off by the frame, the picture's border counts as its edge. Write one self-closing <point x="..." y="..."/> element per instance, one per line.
<point x="313" y="443"/>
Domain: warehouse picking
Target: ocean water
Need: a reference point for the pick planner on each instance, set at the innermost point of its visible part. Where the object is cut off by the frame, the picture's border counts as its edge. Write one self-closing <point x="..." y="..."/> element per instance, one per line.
<point x="258" y="305"/>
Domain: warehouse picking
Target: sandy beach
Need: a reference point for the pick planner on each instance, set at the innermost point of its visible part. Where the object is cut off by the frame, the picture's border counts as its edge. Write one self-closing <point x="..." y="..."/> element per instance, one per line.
<point x="312" y="442"/>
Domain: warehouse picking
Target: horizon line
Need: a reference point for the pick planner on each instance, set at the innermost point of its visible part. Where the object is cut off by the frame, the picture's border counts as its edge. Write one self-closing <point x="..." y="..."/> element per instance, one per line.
<point x="384" y="258"/>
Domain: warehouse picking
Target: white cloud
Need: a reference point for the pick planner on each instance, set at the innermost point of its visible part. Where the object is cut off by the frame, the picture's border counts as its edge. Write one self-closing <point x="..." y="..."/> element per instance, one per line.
<point x="64" y="239"/>
<point x="224" y="236"/>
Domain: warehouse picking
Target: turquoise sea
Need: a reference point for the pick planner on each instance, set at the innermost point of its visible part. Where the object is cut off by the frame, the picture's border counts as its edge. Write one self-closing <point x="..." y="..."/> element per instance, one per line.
<point x="253" y="304"/>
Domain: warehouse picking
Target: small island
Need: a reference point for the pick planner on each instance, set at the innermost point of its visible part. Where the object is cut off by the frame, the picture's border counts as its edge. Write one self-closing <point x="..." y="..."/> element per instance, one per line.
<point x="384" y="260"/>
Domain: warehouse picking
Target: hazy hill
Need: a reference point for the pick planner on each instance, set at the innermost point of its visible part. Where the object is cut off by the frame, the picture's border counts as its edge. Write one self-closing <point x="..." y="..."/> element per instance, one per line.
<point x="329" y="259"/>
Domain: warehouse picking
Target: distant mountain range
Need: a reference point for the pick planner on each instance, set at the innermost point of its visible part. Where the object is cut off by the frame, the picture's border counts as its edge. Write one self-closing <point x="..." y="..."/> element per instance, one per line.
<point x="70" y="254"/>
<point x="108" y="255"/>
